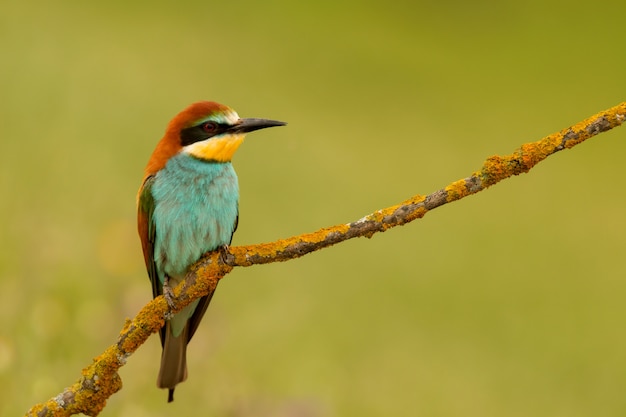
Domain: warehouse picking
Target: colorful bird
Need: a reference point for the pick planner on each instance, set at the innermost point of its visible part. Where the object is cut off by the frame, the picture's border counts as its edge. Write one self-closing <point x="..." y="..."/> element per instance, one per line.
<point x="187" y="206"/>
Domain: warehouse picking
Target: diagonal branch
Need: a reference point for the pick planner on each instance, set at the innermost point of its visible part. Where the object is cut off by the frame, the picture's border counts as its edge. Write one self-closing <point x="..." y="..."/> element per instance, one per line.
<point x="495" y="169"/>
<point x="100" y="380"/>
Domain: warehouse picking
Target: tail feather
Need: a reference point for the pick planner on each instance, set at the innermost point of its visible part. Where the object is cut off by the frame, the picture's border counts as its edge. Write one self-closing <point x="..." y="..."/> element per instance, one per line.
<point x="173" y="361"/>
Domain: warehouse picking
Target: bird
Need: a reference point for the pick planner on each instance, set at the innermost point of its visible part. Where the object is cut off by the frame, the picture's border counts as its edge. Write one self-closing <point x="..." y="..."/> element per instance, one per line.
<point x="187" y="205"/>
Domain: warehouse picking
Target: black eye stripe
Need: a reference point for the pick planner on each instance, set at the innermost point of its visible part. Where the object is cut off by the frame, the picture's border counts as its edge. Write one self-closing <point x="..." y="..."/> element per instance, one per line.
<point x="199" y="133"/>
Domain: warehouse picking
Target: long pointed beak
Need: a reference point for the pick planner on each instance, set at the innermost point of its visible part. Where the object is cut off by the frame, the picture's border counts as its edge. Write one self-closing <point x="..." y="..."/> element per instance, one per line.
<point x="251" y="124"/>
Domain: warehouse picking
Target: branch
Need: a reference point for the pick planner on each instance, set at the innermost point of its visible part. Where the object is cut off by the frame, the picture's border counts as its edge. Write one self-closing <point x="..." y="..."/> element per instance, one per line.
<point x="100" y="380"/>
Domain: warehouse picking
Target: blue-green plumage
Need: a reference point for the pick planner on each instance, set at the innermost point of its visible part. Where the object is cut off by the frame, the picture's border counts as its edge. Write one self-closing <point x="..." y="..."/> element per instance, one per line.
<point x="191" y="207"/>
<point x="195" y="210"/>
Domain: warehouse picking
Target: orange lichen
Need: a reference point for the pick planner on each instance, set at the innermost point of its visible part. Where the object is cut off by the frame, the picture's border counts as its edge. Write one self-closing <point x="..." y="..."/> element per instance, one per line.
<point x="322" y="234"/>
<point x="417" y="213"/>
<point x="379" y="215"/>
<point x="99" y="381"/>
<point x="149" y="320"/>
<point x="456" y="190"/>
<point x="416" y="199"/>
<point x="263" y="250"/>
<point x="272" y="250"/>
<point x="497" y="168"/>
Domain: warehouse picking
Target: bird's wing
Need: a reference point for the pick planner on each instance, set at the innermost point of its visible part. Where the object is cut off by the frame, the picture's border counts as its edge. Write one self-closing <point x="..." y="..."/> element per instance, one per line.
<point x="196" y="317"/>
<point x="147" y="234"/>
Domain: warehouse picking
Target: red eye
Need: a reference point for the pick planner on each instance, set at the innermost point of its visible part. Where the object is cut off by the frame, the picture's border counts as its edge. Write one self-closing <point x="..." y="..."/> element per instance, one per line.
<point x="209" y="127"/>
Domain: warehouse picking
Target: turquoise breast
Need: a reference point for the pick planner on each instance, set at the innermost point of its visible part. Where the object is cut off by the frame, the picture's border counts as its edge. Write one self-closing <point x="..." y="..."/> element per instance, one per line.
<point x="196" y="207"/>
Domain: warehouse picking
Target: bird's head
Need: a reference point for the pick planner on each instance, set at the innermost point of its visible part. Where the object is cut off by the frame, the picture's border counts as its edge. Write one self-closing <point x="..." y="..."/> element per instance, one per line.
<point x="205" y="130"/>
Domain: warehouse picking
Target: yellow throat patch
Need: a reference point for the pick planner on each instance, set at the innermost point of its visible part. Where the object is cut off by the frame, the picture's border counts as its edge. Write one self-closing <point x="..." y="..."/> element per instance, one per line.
<point x="220" y="148"/>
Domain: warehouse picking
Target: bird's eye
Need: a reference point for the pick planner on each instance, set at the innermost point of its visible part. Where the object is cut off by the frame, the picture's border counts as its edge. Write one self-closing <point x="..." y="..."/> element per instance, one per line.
<point x="209" y="127"/>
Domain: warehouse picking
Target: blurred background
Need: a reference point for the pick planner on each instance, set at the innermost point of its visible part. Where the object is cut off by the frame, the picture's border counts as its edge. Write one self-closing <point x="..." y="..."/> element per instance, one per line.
<point x="507" y="303"/>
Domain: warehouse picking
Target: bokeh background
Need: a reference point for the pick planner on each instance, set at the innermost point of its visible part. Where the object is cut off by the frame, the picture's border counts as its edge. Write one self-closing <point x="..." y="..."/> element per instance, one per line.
<point x="507" y="303"/>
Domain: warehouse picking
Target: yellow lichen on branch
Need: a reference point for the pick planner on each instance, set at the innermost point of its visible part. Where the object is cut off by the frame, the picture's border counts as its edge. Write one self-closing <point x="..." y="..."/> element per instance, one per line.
<point x="100" y="380"/>
<point x="497" y="168"/>
<point x="457" y="190"/>
<point x="276" y="251"/>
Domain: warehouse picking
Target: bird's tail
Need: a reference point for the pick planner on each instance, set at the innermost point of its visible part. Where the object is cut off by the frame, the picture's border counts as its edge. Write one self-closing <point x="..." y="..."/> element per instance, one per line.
<point x="173" y="360"/>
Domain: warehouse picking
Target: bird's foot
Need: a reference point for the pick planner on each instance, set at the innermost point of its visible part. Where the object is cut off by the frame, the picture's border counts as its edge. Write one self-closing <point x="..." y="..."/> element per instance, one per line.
<point x="168" y="294"/>
<point x="225" y="255"/>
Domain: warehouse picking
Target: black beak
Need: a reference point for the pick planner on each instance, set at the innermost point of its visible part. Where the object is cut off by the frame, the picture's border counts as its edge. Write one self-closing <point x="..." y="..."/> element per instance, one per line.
<point x="249" y="125"/>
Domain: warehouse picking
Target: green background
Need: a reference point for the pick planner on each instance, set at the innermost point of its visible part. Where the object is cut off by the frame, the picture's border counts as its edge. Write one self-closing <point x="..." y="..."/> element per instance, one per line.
<point x="507" y="303"/>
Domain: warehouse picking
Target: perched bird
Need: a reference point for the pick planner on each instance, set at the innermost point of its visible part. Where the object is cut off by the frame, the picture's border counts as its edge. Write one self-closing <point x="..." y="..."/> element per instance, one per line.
<point x="188" y="205"/>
